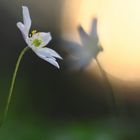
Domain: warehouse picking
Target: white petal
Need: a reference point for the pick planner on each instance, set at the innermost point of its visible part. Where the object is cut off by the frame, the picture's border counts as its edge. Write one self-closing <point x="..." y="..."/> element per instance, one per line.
<point x="20" y="26"/>
<point x="47" y="52"/>
<point x="93" y="32"/>
<point x="41" y="52"/>
<point x="45" y="37"/>
<point x="50" y="59"/>
<point x="26" y="18"/>
<point x="23" y="30"/>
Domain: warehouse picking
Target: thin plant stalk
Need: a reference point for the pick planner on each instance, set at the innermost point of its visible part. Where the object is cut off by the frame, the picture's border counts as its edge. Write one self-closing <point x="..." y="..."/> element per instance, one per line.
<point x="108" y="84"/>
<point x="12" y="84"/>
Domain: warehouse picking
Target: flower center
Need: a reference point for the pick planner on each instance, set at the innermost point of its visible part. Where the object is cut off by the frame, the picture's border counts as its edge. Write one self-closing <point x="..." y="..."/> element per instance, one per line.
<point x="37" y="42"/>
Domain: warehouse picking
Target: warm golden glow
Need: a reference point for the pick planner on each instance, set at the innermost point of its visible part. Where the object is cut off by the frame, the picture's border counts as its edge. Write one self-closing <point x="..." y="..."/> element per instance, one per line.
<point x="119" y="32"/>
<point x="88" y="10"/>
<point x="69" y="23"/>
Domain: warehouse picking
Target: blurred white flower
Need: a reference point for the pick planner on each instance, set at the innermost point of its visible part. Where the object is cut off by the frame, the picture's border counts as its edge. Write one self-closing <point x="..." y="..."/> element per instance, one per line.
<point x="91" y="41"/>
<point x="37" y="40"/>
<point x="79" y="56"/>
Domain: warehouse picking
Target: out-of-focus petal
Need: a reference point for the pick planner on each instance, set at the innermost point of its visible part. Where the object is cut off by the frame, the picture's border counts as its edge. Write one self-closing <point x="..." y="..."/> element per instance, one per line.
<point x="93" y="31"/>
<point x="83" y="36"/>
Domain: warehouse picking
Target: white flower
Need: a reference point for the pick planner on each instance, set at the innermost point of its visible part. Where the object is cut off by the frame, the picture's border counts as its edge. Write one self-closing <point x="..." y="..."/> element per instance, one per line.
<point x="80" y="56"/>
<point x="37" y="40"/>
<point x="91" y="41"/>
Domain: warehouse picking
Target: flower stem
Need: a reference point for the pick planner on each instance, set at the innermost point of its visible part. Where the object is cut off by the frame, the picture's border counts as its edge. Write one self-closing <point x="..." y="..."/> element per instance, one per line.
<point x="114" y="103"/>
<point x="12" y="84"/>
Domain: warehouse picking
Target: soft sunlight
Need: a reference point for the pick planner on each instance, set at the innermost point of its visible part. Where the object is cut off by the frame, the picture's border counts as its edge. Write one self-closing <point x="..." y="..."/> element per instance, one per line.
<point x="119" y="32"/>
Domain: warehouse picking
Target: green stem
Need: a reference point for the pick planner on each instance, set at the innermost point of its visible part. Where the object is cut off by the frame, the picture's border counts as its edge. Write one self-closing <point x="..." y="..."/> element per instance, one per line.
<point x="12" y="84"/>
<point x="114" y="103"/>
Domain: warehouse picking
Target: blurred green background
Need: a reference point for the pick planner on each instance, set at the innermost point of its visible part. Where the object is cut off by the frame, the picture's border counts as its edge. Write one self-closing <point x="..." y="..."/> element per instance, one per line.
<point x="52" y="104"/>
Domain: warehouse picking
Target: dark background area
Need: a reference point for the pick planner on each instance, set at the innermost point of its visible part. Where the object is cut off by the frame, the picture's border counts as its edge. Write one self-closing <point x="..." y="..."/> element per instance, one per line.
<point x="50" y="90"/>
<point x="49" y="102"/>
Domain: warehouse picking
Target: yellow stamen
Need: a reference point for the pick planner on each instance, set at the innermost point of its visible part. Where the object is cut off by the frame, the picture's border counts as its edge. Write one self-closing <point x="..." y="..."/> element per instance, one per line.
<point x="37" y="42"/>
<point x="34" y="32"/>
